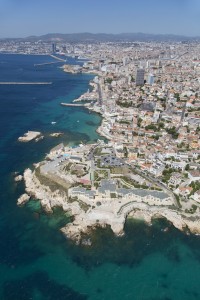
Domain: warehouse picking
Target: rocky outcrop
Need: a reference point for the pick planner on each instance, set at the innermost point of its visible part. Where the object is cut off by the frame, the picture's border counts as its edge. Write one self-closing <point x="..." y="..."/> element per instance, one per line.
<point x="178" y="219"/>
<point x="83" y="221"/>
<point x="102" y="216"/>
<point x="48" y="198"/>
<point x="29" y="136"/>
<point x="18" y="178"/>
<point x="23" y="199"/>
<point x="56" y="134"/>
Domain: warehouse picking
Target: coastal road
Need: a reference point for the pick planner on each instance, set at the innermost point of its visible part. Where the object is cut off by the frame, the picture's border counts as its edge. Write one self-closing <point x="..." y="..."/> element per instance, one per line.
<point x="182" y="115"/>
<point x="100" y="94"/>
<point x="156" y="182"/>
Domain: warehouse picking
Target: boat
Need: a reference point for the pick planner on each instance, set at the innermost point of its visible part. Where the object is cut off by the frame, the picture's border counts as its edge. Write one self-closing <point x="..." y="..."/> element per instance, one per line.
<point x="53" y="123"/>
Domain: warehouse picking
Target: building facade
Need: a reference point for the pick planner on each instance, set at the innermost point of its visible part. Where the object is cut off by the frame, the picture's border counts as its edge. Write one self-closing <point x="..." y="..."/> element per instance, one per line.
<point x="139" y="80"/>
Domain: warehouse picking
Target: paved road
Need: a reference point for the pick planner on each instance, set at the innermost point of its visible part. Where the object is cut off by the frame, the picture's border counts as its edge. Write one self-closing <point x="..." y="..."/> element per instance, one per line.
<point x="156" y="182"/>
<point x="100" y="95"/>
<point x="182" y="115"/>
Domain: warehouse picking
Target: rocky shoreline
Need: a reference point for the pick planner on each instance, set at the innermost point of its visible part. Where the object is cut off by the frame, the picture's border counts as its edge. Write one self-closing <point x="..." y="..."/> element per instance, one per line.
<point x="49" y="200"/>
<point x="84" y="221"/>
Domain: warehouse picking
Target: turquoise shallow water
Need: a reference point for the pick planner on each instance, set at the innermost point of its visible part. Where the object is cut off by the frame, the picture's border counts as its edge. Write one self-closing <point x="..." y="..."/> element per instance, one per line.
<point x="36" y="261"/>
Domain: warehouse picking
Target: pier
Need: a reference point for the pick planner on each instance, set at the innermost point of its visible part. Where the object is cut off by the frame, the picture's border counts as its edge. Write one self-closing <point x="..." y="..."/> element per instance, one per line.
<point x="59" y="60"/>
<point x="71" y="104"/>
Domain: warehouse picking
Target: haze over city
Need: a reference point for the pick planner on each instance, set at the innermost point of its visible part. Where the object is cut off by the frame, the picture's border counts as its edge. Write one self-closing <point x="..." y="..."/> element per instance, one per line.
<point x="24" y="18"/>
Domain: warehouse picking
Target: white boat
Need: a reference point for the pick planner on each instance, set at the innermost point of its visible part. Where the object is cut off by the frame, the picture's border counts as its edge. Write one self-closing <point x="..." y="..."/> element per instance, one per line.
<point x="53" y="123"/>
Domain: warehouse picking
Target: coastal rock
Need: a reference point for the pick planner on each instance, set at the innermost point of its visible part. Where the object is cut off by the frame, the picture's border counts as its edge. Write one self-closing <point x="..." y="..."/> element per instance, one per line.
<point x="23" y="199"/>
<point x="48" y="198"/>
<point x="86" y="242"/>
<point x="18" y="178"/>
<point x="84" y="223"/>
<point x="36" y="165"/>
<point x="140" y="215"/>
<point x="46" y="206"/>
<point x="118" y="228"/>
<point x="39" y="138"/>
<point x="178" y="220"/>
<point x="108" y="215"/>
<point x="29" y="136"/>
<point x="72" y="233"/>
<point x="15" y="173"/>
<point x="56" y="134"/>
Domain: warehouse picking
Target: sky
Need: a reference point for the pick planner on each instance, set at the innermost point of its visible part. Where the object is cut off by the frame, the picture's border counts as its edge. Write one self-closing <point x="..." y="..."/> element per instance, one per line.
<point x="22" y="18"/>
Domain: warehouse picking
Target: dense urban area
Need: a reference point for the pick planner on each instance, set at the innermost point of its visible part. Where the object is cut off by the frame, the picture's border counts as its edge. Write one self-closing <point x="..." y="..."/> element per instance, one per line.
<point x="148" y="94"/>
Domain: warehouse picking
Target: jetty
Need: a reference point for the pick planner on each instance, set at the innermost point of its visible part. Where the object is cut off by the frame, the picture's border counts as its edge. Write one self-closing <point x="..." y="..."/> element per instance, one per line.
<point x="58" y="58"/>
<point x="71" y="104"/>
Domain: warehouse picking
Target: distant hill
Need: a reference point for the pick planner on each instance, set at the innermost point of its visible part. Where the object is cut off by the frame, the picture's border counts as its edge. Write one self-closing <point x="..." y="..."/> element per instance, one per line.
<point x="87" y="37"/>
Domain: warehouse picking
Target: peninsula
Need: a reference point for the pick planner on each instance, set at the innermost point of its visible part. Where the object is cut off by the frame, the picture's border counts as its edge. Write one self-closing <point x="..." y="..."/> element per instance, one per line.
<point x="149" y="102"/>
<point x="98" y="188"/>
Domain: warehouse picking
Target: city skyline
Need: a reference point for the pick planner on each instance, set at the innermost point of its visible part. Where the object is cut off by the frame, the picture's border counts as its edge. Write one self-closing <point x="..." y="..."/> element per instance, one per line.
<point x="25" y="18"/>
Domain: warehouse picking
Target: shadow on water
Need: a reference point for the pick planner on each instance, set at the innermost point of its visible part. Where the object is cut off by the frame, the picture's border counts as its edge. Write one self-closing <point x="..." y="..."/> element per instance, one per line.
<point x="139" y="241"/>
<point x="90" y="123"/>
<point x="39" y="286"/>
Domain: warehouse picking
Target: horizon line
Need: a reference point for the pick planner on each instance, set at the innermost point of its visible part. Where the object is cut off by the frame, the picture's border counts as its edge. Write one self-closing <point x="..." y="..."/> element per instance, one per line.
<point x="99" y="33"/>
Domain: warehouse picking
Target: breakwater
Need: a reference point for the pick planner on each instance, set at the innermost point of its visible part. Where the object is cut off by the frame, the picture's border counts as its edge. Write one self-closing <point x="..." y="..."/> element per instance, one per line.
<point x="24" y="83"/>
<point x="71" y="104"/>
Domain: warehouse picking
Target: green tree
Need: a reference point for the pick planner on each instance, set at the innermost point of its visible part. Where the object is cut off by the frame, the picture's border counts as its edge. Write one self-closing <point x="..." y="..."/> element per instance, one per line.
<point x="187" y="167"/>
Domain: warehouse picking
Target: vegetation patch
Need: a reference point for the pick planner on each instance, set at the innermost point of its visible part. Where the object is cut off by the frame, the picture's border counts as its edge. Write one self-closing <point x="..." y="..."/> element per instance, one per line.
<point x="53" y="184"/>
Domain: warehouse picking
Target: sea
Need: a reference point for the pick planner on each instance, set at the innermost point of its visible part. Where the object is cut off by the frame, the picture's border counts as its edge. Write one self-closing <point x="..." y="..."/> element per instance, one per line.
<point x="37" y="262"/>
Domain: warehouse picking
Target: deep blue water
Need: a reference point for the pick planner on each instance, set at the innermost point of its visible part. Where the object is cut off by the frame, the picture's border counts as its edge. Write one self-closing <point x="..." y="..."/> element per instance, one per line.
<point x="36" y="261"/>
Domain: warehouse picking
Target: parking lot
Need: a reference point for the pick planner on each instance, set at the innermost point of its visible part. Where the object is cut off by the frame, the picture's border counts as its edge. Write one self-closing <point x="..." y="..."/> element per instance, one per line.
<point x="110" y="160"/>
<point x="52" y="166"/>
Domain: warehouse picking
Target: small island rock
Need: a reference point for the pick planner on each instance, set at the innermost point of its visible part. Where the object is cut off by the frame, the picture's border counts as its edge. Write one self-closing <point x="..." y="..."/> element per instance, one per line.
<point x="56" y="134"/>
<point x="23" y="199"/>
<point x="18" y="178"/>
